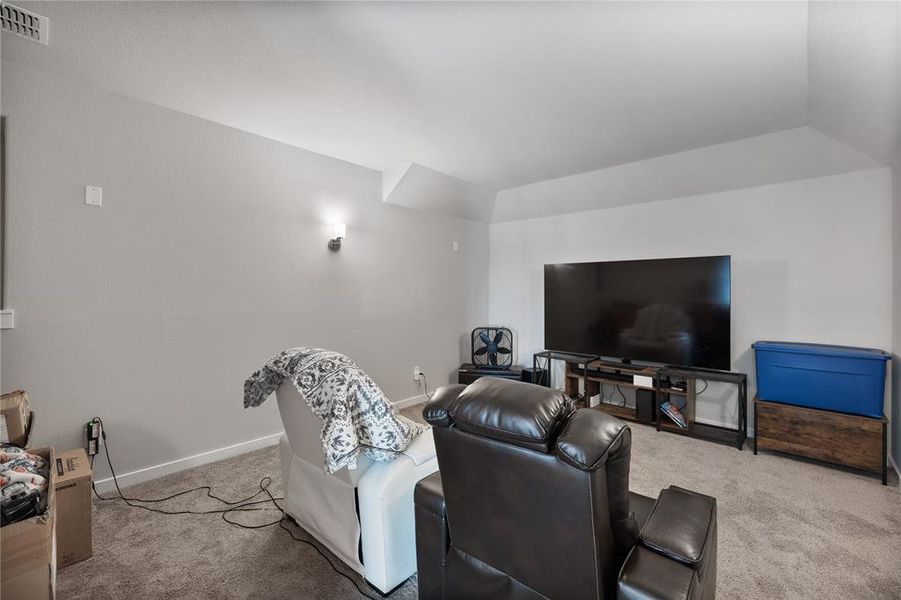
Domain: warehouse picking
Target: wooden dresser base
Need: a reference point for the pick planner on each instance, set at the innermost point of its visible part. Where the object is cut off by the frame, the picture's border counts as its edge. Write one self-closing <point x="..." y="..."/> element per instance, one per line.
<point x="847" y="440"/>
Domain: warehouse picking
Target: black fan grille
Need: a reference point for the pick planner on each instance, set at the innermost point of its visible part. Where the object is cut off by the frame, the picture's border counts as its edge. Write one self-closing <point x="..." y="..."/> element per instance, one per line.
<point x="492" y="347"/>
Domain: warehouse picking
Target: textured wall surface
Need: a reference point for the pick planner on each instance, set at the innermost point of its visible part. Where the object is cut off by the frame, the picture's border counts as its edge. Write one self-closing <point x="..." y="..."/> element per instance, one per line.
<point x="811" y="261"/>
<point x="208" y="256"/>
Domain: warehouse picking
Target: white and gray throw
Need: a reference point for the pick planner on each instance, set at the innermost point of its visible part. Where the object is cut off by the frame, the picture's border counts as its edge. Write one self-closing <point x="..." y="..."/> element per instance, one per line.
<point x="356" y="416"/>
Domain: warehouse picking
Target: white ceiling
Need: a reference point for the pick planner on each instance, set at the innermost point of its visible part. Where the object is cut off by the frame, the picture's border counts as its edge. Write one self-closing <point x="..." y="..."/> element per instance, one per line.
<point x="854" y="74"/>
<point x="788" y="155"/>
<point x="501" y="95"/>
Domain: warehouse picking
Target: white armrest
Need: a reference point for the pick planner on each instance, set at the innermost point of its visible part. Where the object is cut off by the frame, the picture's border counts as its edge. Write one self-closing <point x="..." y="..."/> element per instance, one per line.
<point x="385" y="494"/>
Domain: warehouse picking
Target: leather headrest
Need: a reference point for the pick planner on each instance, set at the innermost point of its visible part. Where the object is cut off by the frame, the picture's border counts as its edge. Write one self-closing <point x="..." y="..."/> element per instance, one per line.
<point x="517" y="413"/>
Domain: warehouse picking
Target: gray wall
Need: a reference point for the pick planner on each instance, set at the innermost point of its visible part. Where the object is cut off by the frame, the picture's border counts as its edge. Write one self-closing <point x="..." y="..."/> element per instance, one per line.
<point x="790" y="244"/>
<point x="896" y="188"/>
<point x="208" y="256"/>
<point x="896" y="317"/>
<point x="854" y="95"/>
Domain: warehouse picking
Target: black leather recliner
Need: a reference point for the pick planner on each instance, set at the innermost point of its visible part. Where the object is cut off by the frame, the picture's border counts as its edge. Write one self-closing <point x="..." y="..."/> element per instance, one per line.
<point x="532" y="501"/>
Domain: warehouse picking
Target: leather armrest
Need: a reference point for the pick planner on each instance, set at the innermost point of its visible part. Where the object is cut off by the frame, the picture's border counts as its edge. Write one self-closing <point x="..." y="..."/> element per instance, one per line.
<point x="646" y="575"/>
<point x="432" y="536"/>
<point x="436" y="412"/>
<point x="682" y="526"/>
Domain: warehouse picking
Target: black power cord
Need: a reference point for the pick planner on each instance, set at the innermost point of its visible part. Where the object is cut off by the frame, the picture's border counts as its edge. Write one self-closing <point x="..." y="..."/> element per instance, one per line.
<point x="425" y="384"/>
<point x="622" y="395"/>
<point x="244" y="502"/>
<point x="243" y="505"/>
<point x="706" y="385"/>
<point x="264" y="488"/>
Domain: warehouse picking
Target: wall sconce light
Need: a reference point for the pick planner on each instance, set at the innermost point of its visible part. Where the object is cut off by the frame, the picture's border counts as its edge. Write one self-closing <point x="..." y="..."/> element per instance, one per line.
<point x="340" y="234"/>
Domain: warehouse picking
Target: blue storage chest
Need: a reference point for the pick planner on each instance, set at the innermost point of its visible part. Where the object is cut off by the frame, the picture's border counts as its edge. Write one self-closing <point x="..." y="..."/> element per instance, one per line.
<point x="837" y="378"/>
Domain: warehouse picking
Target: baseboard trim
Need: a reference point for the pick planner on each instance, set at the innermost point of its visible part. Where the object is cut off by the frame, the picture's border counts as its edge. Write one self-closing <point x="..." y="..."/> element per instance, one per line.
<point x="174" y="466"/>
<point x="407" y="402"/>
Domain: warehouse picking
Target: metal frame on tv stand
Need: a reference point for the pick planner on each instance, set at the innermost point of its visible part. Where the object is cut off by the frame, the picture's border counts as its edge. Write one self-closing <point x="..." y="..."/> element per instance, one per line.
<point x="585" y="374"/>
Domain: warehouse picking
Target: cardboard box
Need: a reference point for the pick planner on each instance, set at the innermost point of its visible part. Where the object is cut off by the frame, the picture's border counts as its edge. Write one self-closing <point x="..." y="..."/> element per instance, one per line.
<point x="28" y="549"/>
<point x="14" y="417"/>
<point x="73" y="507"/>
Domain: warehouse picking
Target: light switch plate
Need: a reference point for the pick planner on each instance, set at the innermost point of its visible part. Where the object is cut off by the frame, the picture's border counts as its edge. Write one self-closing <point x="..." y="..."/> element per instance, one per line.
<point x="93" y="195"/>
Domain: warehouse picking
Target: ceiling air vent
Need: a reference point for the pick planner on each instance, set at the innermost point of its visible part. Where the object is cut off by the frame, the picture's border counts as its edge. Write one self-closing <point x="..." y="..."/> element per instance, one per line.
<point x="24" y="23"/>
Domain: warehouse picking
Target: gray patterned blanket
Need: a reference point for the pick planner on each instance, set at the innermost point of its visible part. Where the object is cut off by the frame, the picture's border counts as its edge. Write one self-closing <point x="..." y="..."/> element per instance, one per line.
<point x="356" y="416"/>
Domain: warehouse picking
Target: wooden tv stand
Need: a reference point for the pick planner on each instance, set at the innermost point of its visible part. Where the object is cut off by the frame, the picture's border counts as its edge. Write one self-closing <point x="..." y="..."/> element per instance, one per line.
<point x="585" y="376"/>
<point x="597" y="373"/>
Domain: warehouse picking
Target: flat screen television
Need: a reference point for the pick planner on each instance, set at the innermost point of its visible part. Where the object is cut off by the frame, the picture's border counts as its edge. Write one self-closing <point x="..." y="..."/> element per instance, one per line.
<point x="674" y="311"/>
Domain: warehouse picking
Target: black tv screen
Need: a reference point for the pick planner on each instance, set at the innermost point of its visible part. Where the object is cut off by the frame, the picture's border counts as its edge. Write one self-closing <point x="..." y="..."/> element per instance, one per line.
<point x="673" y="311"/>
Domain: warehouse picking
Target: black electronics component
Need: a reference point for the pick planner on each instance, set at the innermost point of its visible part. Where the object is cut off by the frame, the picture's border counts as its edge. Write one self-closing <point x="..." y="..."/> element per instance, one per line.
<point x="18" y="503"/>
<point x="645" y="405"/>
<point x="467" y="373"/>
<point x="537" y="376"/>
<point x="617" y="375"/>
<point x="674" y="311"/>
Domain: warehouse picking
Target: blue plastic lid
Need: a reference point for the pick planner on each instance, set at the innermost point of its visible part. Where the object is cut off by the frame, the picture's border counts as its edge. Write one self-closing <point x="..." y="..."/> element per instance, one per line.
<point x="823" y="350"/>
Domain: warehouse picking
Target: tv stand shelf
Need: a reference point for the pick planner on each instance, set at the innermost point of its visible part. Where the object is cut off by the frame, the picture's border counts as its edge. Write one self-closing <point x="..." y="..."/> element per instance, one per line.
<point x="585" y="376"/>
<point x="735" y="436"/>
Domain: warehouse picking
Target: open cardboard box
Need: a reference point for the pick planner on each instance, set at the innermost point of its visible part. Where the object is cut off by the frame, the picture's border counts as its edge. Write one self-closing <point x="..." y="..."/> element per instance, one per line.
<point x="28" y="548"/>
<point x="16" y="418"/>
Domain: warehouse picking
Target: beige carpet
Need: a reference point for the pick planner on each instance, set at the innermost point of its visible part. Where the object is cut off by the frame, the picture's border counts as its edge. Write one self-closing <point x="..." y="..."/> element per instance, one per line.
<point x="143" y="555"/>
<point x="787" y="529"/>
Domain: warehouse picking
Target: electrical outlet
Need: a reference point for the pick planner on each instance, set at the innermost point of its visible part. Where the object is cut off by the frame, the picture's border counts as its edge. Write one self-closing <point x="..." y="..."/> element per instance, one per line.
<point x="93" y="195"/>
<point x="417" y="374"/>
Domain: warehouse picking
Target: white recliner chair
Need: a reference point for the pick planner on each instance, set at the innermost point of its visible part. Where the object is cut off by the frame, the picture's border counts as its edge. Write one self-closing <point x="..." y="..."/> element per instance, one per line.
<point x="364" y="516"/>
